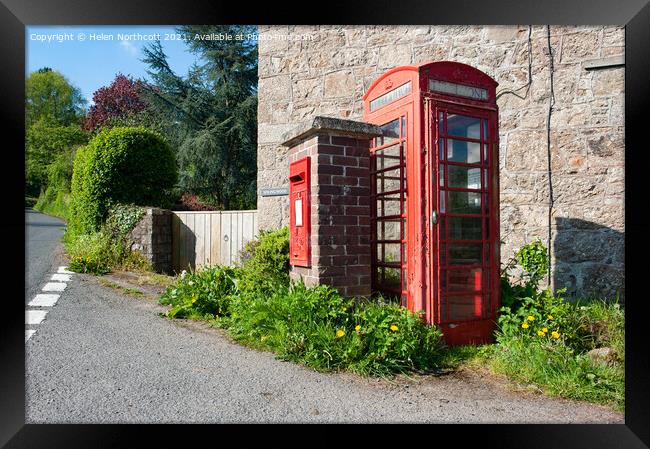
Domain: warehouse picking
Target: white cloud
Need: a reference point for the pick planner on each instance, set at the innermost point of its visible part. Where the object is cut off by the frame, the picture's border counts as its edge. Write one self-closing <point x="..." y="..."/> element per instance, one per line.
<point x="129" y="47"/>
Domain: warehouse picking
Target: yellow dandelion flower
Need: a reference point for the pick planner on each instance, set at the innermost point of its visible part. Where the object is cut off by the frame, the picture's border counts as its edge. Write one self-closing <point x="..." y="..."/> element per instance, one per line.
<point x="525" y="325"/>
<point x="357" y="327"/>
<point x="550" y="317"/>
<point x="340" y="333"/>
<point x="531" y="318"/>
<point x="555" y="334"/>
<point x="393" y="328"/>
<point x="545" y="330"/>
<point x="540" y="333"/>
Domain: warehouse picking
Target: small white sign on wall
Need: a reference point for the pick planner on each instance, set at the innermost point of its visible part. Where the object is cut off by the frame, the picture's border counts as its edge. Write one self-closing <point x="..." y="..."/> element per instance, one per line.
<point x="298" y="211"/>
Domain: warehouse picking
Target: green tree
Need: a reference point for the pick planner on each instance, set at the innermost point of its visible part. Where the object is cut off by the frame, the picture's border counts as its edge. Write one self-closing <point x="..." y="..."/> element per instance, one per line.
<point x="210" y="115"/>
<point x="44" y="143"/>
<point x="53" y="110"/>
<point x="52" y="99"/>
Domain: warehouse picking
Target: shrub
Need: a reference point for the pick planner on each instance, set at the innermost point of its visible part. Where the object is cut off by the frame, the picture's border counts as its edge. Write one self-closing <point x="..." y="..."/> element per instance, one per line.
<point x="120" y="165"/>
<point x="99" y="252"/>
<point x="266" y="261"/>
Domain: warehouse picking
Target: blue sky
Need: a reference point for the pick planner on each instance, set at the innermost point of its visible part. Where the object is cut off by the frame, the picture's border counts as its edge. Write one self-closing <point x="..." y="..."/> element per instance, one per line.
<point x="92" y="63"/>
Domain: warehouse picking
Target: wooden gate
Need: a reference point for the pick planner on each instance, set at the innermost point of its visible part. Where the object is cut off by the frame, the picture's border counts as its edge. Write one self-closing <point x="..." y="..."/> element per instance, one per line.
<point x="210" y="238"/>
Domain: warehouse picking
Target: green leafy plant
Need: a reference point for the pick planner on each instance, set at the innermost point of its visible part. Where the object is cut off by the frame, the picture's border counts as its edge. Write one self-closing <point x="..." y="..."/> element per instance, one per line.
<point x="266" y="261"/>
<point x="204" y="292"/>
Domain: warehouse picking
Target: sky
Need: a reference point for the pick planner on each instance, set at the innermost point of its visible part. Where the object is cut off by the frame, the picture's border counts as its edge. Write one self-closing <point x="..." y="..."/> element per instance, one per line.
<point x="89" y="62"/>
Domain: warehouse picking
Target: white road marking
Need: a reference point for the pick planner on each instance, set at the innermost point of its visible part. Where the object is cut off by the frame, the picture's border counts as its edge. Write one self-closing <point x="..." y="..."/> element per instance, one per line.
<point x="34" y="316"/>
<point x="64" y="270"/>
<point x="44" y="300"/>
<point x="29" y="333"/>
<point x="61" y="277"/>
<point x="54" y="287"/>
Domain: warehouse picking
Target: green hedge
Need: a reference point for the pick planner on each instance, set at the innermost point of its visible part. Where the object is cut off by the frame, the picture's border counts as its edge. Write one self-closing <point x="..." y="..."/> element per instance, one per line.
<point x="120" y="165"/>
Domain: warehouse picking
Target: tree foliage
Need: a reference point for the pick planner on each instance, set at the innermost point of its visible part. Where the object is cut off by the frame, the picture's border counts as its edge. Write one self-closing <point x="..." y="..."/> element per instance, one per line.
<point x="50" y="98"/>
<point x="118" y="100"/>
<point x="53" y="109"/>
<point x="210" y="115"/>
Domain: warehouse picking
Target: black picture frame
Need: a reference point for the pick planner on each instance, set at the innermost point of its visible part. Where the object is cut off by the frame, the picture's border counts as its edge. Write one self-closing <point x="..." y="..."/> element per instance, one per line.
<point x="634" y="14"/>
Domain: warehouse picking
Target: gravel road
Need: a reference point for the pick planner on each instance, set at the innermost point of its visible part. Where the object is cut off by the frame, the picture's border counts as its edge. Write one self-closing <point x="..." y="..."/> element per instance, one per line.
<point x="105" y="357"/>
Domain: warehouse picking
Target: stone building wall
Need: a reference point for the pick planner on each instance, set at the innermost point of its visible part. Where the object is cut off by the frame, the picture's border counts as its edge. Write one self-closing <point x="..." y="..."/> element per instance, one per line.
<point x="328" y="75"/>
<point x="152" y="237"/>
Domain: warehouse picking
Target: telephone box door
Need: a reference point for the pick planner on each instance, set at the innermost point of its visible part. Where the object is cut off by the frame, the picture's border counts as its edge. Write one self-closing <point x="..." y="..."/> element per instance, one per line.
<point x="463" y="180"/>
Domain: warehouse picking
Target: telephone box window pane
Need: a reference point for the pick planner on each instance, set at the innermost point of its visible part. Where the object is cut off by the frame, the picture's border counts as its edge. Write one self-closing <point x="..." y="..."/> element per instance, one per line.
<point x="390" y="277"/>
<point x="465" y="254"/>
<point x="404" y="286"/>
<point x="465" y="152"/>
<point x="465" y="307"/>
<point x="388" y="205"/>
<point x="388" y="252"/>
<point x="485" y="130"/>
<point x="485" y="153"/>
<point x="403" y="127"/>
<point x="464" y="228"/>
<point x="442" y="202"/>
<point x="462" y="126"/>
<point x="443" y="227"/>
<point x="464" y="177"/>
<point x="441" y="149"/>
<point x="465" y="280"/>
<point x="464" y="203"/>
<point x="388" y="230"/>
<point x="387" y="157"/>
<point x="388" y="180"/>
<point x="390" y="132"/>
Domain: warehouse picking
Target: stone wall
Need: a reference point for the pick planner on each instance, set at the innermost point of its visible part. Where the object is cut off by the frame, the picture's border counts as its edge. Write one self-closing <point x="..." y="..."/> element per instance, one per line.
<point x="328" y="75"/>
<point x="152" y="237"/>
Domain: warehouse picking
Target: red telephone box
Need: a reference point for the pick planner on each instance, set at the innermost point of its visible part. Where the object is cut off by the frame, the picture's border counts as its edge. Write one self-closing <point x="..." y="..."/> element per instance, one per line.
<point x="435" y="195"/>
<point x="299" y="213"/>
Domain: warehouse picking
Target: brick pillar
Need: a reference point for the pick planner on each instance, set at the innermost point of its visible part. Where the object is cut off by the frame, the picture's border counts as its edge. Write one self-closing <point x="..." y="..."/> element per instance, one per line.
<point x="340" y="202"/>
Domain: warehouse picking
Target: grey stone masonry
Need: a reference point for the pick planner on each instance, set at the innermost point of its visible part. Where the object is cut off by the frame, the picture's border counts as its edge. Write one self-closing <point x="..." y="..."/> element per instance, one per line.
<point x="152" y="237"/>
<point x="340" y="202"/>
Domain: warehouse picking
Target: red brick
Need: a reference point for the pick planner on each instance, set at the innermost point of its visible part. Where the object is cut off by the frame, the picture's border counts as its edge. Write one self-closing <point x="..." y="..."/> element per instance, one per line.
<point x="323" y="199"/>
<point x="331" y="150"/>
<point x="358" y="270"/>
<point x="328" y="240"/>
<point x="338" y="250"/>
<point x="345" y="160"/>
<point x="357" y="210"/>
<point x="346" y="260"/>
<point x="344" y="219"/>
<point x="359" y="191"/>
<point x="356" y="171"/>
<point x="324" y="179"/>
<point x="345" y="141"/>
<point x="331" y="230"/>
<point x="323" y="160"/>
<point x="329" y="190"/>
<point x="347" y="200"/>
<point x="357" y="151"/>
<point x="330" y="271"/>
<point x="364" y="221"/>
<point x="330" y="170"/>
<point x="365" y="280"/>
<point x="358" y="249"/>
<point x="345" y="180"/>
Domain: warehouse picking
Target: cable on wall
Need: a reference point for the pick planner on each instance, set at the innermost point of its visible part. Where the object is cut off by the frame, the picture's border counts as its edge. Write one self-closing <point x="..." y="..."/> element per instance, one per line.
<point x="551" y="103"/>
<point x="530" y="69"/>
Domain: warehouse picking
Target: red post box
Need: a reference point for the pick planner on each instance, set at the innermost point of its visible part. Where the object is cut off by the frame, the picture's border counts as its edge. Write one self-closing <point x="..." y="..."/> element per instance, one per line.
<point x="300" y="213"/>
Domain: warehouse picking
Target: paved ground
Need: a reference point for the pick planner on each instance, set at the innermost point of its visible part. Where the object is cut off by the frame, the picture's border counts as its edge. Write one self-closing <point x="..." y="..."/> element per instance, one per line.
<point x="104" y="357"/>
<point x="43" y="234"/>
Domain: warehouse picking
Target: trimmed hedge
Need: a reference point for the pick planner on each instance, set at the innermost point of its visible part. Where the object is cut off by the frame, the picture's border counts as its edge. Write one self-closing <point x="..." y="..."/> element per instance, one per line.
<point x="130" y="165"/>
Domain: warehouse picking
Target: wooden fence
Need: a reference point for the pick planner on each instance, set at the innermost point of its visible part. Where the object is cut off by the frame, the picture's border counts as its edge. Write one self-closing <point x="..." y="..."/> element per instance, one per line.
<point x="210" y="238"/>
